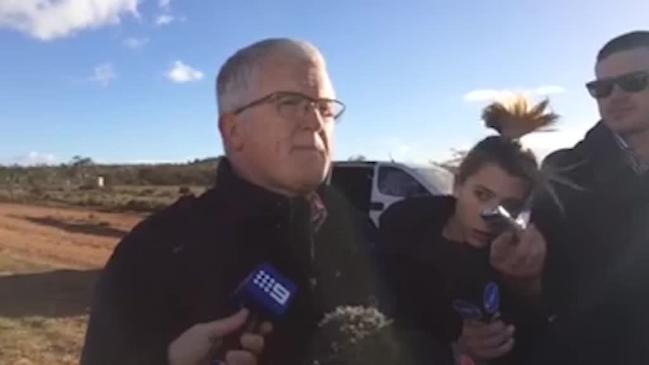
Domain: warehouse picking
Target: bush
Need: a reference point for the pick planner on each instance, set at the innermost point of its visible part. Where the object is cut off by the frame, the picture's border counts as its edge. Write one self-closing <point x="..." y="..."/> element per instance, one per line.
<point x="36" y="190"/>
<point x="144" y="205"/>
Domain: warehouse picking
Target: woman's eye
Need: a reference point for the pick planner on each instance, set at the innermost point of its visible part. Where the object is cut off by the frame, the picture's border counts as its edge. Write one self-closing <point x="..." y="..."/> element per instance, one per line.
<point x="483" y="195"/>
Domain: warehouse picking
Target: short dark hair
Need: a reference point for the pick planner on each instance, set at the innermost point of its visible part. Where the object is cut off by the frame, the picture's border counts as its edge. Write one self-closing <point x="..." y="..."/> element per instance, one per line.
<point x="624" y="42"/>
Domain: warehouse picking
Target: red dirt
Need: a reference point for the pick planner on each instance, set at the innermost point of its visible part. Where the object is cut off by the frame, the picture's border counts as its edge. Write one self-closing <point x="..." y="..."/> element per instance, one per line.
<point x="50" y="259"/>
<point x="62" y="237"/>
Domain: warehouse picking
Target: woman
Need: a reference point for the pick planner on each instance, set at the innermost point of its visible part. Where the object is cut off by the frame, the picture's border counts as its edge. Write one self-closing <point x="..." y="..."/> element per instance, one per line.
<point x="444" y="257"/>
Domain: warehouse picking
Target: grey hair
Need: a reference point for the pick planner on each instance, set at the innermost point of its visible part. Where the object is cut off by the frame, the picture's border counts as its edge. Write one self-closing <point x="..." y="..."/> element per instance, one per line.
<point x="238" y="74"/>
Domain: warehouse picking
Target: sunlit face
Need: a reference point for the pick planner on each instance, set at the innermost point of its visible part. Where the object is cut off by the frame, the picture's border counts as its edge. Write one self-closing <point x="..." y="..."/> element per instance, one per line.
<point x="287" y="154"/>
<point x="489" y="187"/>
<point x="624" y="112"/>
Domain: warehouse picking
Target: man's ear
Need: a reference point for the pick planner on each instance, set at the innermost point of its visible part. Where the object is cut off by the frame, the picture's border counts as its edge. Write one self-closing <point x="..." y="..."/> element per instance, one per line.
<point x="231" y="131"/>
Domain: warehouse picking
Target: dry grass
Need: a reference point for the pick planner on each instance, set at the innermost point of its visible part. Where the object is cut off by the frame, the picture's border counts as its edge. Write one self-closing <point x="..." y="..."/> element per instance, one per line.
<point x="35" y="339"/>
<point x="10" y="265"/>
<point x="49" y="261"/>
<point x="50" y="258"/>
<point x="114" y="198"/>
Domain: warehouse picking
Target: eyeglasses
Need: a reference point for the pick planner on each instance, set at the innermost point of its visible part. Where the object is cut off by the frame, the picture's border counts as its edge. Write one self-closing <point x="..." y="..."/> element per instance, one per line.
<point x="293" y="104"/>
<point x="632" y="82"/>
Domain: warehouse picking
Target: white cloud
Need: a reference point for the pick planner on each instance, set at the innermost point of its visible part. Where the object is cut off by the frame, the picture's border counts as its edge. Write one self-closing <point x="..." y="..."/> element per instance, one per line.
<point x="549" y="90"/>
<point x="34" y="158"/>
<point x="487" y="95"/>
<point x="164" y="19"/>
<point x="181" y="73"/>
<point x="50" y="19"/>
<point x="135" y="43"/>
<point x="103" y="74"/>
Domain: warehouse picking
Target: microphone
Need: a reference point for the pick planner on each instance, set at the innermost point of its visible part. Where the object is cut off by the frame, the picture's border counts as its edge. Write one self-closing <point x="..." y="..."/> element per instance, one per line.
<point x="267" y="294"/>
<point x="500" y="219"/>
<point x="489" y="310"/>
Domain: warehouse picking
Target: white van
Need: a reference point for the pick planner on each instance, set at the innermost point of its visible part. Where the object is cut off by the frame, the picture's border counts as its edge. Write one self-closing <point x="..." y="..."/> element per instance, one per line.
<point x="372" y="186"/>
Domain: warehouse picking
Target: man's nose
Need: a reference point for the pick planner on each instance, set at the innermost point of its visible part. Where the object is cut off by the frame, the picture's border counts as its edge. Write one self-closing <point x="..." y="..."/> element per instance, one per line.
<point x="311" y="117"/>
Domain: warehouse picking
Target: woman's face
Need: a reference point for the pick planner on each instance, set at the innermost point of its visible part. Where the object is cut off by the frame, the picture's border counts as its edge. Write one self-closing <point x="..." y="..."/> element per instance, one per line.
<point x="487" y="188"/>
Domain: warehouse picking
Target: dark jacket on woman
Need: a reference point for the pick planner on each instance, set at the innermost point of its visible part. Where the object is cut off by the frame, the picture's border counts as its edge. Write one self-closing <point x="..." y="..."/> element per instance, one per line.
<point x="427" y="272"/>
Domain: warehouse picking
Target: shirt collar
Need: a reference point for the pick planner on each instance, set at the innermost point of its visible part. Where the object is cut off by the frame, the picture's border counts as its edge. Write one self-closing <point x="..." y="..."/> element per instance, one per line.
<point x="631" y="158"/>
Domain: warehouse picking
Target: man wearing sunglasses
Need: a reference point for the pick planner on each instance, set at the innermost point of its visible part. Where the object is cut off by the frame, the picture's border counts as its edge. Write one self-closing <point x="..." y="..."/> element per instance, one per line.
<point x="596" y="281"/>
<point x="166" y="293"/>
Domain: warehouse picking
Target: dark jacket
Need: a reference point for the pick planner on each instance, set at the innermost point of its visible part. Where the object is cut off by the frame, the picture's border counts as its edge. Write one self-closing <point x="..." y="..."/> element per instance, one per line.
<point x="427" y="272"/>
<point x="597" y="271"/>
<point x="180" y="266"/>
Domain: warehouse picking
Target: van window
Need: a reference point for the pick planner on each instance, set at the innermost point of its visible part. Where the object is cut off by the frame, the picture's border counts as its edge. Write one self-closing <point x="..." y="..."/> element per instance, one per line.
<point x="396" y="182"/>
<point x="441" y="179"/>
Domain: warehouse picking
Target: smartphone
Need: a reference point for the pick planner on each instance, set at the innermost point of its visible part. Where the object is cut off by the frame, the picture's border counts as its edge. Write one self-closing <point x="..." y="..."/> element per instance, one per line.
<point x="501" y="220"/>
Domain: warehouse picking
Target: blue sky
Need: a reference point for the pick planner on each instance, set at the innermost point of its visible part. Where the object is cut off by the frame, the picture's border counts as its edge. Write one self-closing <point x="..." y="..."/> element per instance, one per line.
<point x="132" y="80"/>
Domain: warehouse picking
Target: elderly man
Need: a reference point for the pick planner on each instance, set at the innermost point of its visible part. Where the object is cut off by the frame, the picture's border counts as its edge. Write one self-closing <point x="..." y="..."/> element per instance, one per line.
<point x="164" y="294"/>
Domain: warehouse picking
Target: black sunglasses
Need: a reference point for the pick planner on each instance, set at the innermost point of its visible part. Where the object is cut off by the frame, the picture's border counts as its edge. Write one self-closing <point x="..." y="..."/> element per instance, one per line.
<point x="632" y="82"/>
<point x="293" y="104"/>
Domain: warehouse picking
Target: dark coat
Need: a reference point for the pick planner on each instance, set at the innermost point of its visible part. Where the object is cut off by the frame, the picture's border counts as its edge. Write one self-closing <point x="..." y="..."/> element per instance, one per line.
<point x="597" y="271"/>
<point x="179" y="267"/>
<point x="427" y="272"/>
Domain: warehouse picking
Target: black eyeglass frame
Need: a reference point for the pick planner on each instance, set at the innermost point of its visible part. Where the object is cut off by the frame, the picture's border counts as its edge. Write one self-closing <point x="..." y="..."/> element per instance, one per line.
<point x="603" y="88"/>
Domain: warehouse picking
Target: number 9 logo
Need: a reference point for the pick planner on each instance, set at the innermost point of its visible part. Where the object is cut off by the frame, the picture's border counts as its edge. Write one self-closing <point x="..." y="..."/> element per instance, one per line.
<point x="280" y="293"/>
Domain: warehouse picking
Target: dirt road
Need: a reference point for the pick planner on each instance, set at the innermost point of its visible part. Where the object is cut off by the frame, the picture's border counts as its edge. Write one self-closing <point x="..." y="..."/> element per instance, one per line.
<point x="49" y="262"/>
<point x="61" y="237"/>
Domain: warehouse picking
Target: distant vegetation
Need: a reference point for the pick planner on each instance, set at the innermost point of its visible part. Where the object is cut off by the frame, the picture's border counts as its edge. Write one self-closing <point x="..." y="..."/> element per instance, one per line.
<point x="125" y="187"/>
<point x="142" y="187"/>
<point x="82" y="171"/>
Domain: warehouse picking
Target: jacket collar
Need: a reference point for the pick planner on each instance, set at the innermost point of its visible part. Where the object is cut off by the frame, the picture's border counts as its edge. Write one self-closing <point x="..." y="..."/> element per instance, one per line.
<point x="610" y="168"/>
<point x="247" y="197"/>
